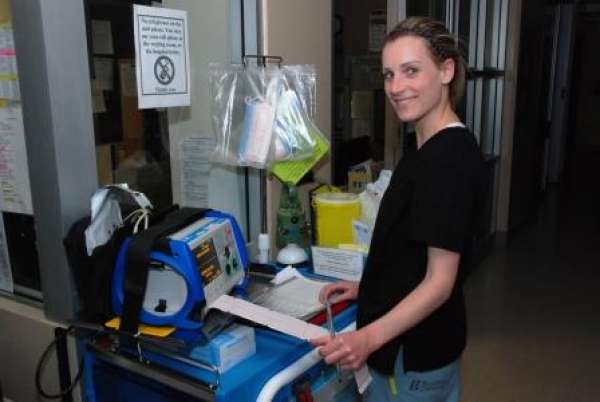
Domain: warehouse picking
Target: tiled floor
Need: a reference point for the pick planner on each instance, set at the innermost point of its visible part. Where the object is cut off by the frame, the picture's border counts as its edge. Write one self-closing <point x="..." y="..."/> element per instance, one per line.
<point x="534" y="307"/>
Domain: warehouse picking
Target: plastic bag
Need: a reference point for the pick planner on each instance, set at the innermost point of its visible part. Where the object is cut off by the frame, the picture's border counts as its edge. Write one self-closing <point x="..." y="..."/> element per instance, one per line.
<point x="243" y="104"/>
<point x="371" y="198"/>
<point x="302" y="79"/>
<point x="294" y="128"/>
<point x="263" y="114"/>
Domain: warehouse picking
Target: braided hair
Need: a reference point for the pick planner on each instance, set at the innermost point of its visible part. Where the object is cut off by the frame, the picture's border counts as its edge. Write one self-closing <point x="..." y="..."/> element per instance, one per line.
<point x="442" y="46"/>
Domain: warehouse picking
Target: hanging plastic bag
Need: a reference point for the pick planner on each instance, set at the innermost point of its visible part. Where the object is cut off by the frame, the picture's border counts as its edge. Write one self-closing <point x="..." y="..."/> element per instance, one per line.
<point x="302" y="79"/>
<point x="243" y="104"/>
<point x="263" y="114"/>
<point x="294" y="128"/>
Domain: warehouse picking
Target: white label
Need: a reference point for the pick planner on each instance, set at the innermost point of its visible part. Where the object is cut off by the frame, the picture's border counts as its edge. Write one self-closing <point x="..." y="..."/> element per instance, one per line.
<point x="162" y="57"/>
<point x="336" y="263"/>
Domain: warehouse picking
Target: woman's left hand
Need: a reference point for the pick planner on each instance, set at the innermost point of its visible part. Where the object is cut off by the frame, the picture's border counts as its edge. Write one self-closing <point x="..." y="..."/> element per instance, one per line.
<point x="349" y="349"/>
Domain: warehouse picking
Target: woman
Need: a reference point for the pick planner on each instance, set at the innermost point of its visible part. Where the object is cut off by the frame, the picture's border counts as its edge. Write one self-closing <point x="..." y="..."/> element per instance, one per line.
<point x="411" y="316"/>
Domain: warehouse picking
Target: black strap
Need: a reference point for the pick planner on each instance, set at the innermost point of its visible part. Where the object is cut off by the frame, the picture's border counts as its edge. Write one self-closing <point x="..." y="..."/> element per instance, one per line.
<point x="137" y="261"/>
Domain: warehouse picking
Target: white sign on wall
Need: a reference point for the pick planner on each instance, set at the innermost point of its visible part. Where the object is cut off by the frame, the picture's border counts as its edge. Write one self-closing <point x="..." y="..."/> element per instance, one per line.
<point x="162" y="57"/>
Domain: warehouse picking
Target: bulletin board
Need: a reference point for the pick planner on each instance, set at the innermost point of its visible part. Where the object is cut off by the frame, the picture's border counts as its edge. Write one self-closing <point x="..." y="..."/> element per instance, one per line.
<point x="18" y="252"/>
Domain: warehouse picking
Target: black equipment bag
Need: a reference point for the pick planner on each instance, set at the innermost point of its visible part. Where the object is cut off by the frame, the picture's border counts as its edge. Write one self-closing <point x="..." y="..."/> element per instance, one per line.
<point x="93" y="274"/>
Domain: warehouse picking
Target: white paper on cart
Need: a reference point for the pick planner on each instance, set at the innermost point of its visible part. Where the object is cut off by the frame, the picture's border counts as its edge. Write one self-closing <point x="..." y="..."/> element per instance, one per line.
<point x="282" y="323"/>
<point x="363" y="378"/>
<point x="292" y="294"/>
<point x="269" y="318"/>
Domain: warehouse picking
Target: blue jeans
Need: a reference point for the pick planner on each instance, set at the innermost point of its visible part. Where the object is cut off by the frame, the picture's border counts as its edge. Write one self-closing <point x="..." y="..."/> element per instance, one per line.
<point x="439" y="385"/>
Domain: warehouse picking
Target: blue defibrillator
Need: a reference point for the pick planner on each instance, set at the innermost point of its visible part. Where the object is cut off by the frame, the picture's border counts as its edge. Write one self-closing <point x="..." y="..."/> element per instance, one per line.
<point x="187" y="271"/>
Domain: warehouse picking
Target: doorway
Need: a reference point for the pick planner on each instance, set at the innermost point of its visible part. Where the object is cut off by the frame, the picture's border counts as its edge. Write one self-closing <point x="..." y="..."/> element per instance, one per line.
<point x="359" y="100"/>
<point x="582" y="148"/>
<point x="362" y="138"/>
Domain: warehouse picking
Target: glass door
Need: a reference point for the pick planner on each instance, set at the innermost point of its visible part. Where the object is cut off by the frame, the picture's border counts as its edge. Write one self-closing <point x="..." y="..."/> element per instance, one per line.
<point x="358" y="141"/>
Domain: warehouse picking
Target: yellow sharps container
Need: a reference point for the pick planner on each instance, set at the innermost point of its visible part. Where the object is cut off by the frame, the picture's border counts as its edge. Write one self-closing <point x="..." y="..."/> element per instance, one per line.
<point x="334" y="213"/>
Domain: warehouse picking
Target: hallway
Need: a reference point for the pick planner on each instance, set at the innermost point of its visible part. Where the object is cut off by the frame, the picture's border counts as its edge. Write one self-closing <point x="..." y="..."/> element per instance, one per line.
<point x="534" y="322"/>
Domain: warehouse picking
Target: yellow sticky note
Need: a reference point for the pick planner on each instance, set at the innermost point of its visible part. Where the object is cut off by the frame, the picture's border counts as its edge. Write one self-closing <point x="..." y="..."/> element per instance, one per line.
<point x="5" y="14"/>
<point x="162" y="332"/>
<point x="292" y="171"/>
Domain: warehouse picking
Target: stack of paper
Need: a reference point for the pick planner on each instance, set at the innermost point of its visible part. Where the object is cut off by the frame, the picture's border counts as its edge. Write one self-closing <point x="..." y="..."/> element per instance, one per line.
<point x="293" y="294"/>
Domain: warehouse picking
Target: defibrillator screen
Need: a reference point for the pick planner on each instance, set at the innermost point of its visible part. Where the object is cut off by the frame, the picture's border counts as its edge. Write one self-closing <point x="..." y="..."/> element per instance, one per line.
<point x="213" y="246"/>
<point x="208" y="261"/>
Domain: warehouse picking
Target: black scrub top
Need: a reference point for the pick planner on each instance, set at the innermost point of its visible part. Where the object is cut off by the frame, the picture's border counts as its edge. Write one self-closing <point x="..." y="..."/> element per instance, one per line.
<point x="435" y="198"/>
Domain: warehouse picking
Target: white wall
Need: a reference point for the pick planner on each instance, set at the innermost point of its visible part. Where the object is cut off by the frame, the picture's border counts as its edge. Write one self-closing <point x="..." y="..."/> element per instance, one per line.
<point x="301" y="33"/>
<point x="508" y="114"/>
<point x="24" y="335"/>
<point x="210" y="40"/>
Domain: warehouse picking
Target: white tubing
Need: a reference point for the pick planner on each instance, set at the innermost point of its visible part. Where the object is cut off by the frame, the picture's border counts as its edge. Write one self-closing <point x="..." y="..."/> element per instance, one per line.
<point x="293" y="371"/>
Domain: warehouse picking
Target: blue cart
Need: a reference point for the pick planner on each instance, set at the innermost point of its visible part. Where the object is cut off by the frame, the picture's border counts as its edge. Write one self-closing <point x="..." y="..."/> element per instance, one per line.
<point x="283" y="369"/>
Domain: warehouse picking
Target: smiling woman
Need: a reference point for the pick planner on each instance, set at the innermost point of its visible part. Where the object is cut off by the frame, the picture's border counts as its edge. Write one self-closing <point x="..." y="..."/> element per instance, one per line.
<point x="411" y="313"/>
<point x="413" y="81"/>
<point x="441" y="46"/>
<point x="424" y="74"/>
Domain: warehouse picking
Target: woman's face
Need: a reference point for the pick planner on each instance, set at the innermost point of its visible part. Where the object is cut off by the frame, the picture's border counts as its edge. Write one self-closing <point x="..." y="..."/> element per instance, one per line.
<point x="414" y="83"/>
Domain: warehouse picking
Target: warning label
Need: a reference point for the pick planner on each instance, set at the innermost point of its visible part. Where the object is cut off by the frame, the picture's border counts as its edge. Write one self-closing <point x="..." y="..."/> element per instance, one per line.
<point x="162" y="56"/>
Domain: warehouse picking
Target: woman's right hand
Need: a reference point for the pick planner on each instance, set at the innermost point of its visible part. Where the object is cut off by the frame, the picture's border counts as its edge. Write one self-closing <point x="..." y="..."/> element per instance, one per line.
<point x="341" y="291"/>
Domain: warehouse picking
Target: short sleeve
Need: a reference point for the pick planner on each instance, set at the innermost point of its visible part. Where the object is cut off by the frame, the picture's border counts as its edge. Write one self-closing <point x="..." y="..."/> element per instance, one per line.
<point x="442" y="208"/>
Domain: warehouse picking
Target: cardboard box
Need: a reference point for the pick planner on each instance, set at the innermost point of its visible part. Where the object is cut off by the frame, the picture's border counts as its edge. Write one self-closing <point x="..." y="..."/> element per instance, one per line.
<point x="362" y="174"/>
<point x="104" y="164"/>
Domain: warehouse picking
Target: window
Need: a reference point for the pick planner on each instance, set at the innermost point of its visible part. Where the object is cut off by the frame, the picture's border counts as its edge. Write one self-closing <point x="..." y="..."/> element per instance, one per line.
<point x="19" y="267"/>
<point x="82" y="127"/>
<point x="132" y="145"/>
<point x="486" y="50"/>
<point x="359" y="99"/>
<point x="481" y="26"/>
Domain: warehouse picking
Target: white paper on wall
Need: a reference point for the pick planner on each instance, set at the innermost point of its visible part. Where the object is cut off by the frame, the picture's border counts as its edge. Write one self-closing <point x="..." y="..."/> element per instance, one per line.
<point x="195" y="170"/>
<point x="15" y="188"/>
<point x="9" y="78"/>
<point x="103" y="74"/>
<point x="102" y="37"/>
<point x="162" y="57"/>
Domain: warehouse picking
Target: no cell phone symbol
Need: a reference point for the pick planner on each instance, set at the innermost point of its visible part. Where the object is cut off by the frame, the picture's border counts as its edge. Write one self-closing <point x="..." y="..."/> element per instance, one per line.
<point x="164" y="70"/>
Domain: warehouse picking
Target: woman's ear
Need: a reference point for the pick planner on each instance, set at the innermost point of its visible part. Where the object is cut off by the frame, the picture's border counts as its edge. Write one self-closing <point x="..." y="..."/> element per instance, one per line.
<point x="447" y="70"/>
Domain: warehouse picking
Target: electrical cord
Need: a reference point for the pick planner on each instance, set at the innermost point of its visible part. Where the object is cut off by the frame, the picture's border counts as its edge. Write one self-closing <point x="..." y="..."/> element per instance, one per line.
<point x="138" y="216"/>
<point x="40" y="364"/>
